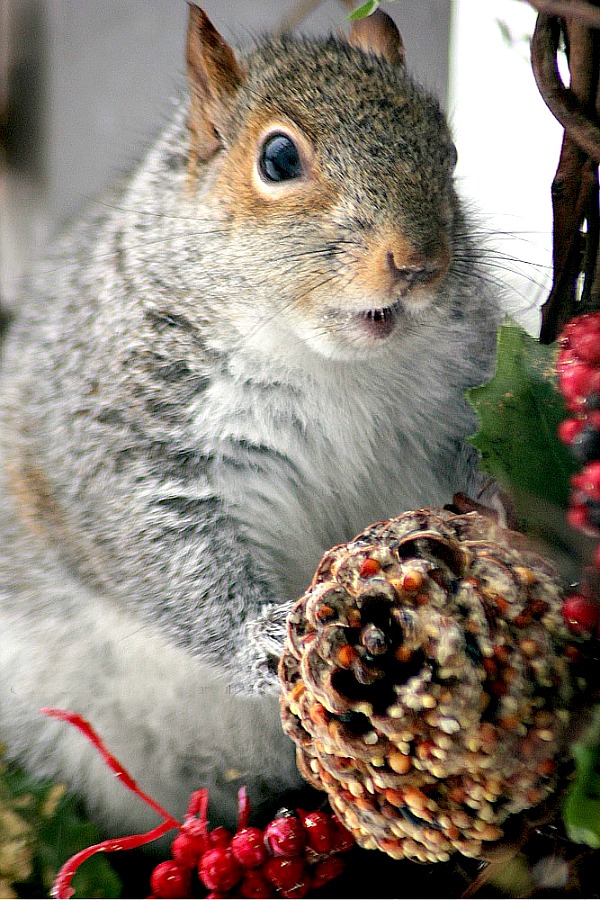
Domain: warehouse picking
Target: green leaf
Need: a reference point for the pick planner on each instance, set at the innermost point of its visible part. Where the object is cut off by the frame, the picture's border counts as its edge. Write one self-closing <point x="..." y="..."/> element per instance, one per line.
<point x="581" y="808"/>
<point x="519" y="412"/>
<point x="364" y="10"/>
<point x="58" y="828"/>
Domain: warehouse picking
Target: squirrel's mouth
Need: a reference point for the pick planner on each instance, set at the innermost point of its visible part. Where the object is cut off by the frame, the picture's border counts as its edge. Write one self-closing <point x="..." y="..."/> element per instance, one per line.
<point x="379" y="322"/>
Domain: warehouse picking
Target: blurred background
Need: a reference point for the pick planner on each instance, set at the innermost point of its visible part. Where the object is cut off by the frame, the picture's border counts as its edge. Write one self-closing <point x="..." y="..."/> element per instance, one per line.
<point x="84" y="85"/>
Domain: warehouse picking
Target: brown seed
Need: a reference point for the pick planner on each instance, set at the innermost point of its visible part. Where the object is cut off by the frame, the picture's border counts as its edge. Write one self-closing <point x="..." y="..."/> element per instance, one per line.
<point x="510" y="723"/>
<point x="415" y="798"/>
<point x="546" y="767"/>
<point x="396" y="798"/>
<point x="528" y="577"/>
<point x="412" y="581"/>
<point x="488" y="832"/>
<point x="403" y="654"/>
<point x="354" y="619"/>
<point x="325" y="611"/>
<point x="318" y="714"/>
<point x="399" y="762"/>
<point x="529" y="647"/>
<point x="297" y="691"/>
<point x="346" y="656"/>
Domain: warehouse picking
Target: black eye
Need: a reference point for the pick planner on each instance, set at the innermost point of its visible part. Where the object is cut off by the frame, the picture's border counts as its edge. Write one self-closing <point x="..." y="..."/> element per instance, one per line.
<point x="279" y="159"/>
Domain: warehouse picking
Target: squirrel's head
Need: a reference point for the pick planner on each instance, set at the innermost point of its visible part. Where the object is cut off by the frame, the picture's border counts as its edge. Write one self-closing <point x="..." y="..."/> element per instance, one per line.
<point x="334" y="169"/>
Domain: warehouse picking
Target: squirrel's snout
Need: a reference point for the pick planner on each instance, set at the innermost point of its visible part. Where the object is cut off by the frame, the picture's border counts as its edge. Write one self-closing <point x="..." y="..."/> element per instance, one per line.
<point x="405" y="268"/>
<point x="418" y="271"/>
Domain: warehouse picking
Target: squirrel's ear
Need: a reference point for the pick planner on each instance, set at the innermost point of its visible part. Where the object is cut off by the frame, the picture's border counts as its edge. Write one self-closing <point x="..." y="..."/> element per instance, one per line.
<point x="378" y="34"/>
<point x="214" y="76"/>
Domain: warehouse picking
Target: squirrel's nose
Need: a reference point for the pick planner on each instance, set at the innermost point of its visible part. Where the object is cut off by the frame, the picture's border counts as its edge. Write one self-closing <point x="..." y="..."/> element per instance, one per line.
<point x="407" y="274"/>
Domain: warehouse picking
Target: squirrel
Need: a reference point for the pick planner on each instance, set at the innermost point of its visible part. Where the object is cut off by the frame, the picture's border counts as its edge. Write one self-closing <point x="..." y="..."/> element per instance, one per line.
<point x="254" y="346"/>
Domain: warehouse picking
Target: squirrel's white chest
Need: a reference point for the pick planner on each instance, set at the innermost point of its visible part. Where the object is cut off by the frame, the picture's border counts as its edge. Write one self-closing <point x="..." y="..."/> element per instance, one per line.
<point x="303" y="470"/>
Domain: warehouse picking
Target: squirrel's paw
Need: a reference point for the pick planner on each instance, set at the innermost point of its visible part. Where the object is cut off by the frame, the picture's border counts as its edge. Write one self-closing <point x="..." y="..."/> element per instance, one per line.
<point x="260" y="656"/>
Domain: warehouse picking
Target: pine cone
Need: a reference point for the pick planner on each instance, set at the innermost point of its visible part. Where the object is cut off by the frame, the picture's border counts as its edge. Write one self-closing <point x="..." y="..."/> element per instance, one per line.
<point x="425" y="684"/>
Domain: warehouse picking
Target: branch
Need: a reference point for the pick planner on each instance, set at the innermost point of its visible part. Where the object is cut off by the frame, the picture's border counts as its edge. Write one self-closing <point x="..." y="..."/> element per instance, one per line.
<point x="576" y="9"/>
<point x="561" y="101"/>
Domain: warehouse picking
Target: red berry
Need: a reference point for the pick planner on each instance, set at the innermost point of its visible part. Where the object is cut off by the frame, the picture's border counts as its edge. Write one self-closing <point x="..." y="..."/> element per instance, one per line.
<point x="342" y="838"/>
<point x="248" y="847"/>
<point x="588" y="347"/>
<point x="577" y="379"/>
<point x="583" y="336"/>
<point x="319" y="833"/>
<point x="588" y="480"/>
<point x="569" y="429"/>
<point x="577" y="517"/>
<point x="218" y="869"/>
<point x="285" y="836"/>
<point x="186" y="849"/>
<point x="581" y="614"/>
<point x="254" y="884"/>
<point x="285" y="874"/>
<point x="219" y="837"/>
<point x="300" y="889"/>
<point x="327" y="870"/>
<point x="170" y="879"/>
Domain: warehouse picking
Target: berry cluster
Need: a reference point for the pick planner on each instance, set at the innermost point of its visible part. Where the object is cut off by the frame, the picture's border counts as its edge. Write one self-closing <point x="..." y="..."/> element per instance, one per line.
<point x="578" y="368"/>
<point x="298" y="850"/>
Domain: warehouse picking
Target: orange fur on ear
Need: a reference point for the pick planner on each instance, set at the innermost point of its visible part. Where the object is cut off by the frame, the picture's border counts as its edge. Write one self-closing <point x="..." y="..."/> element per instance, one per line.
<point x="378" y="34"/>
<point x="213" y="75"/>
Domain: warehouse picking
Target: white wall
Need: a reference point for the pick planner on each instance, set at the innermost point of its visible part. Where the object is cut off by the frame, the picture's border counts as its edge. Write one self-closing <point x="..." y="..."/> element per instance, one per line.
<point x="508" y="144"/>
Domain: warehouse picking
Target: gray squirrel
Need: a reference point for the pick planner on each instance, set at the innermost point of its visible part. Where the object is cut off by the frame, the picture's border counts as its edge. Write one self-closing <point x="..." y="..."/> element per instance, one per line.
<point x="255" y="346"/>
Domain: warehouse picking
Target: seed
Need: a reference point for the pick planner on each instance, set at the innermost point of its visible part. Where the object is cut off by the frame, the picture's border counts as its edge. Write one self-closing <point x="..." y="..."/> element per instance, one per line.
<point x="369" y="567"/>
<point x="449" y="726"/>
<point x="415" y="798"/>
<point x="546" y="767"/>
<point x="325" y="611"/>
<point x="529" y="647"/>
<point x="488" y="832"/>
<point x="510" y="723"/>
<point x="354" y="619"/>
<point x="346" y="656"/>
<point x="399" y="762"/>
<point x="526" y="575"/>
<point x="396" y="798"/>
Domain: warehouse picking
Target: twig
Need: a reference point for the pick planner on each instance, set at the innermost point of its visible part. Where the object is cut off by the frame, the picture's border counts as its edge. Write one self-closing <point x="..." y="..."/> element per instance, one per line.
<point x="575" y="186"/>
<point x="577" y="9"/>
<point x="562" y="101"/>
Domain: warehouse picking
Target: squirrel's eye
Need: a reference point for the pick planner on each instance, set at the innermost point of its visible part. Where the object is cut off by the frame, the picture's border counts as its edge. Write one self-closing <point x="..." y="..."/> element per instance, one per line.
<point x="279" y="159"/>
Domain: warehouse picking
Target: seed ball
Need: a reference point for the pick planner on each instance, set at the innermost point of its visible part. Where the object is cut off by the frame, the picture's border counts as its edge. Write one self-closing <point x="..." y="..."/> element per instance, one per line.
<point x="433" y="705"/>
